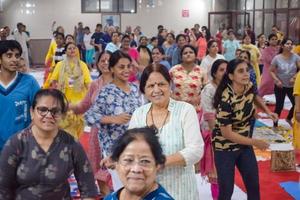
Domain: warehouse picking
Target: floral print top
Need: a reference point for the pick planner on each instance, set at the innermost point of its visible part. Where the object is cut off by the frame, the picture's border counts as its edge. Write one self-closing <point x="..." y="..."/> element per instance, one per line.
<point x="112" y="101"/>
<point x="188" y="84"/>
<point x="28" y="172"/>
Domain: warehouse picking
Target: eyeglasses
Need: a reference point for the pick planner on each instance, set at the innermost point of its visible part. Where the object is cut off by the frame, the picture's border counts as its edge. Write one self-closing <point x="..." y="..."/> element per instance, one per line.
<point x="43" y="111"/>
<point x="145" y="163"/>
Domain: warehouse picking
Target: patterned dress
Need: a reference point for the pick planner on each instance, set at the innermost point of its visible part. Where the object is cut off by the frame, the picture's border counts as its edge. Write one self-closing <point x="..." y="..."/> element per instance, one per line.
<point x="28" y="172"/>
<point x="180" y="134"/>
<point x="188" y="85"/>
<point x="112" y="101"/>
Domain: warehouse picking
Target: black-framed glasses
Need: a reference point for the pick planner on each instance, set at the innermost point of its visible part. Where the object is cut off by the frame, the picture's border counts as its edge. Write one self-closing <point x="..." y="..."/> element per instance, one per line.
<point x="43" y="111"/>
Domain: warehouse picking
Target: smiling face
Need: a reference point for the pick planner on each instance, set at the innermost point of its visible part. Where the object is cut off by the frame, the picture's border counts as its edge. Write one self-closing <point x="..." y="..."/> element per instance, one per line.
<point x="273" y="41"/>
<point x="122" y="70"/>
<point x="288" y="46"/>
<point x="104" y="63"/>
<point x="9" y="61"/>
<point x="157" y="89"/>
<point x="136" y="167"/>
<point x="241" y="75"/>
<point x="71" y="50"/>
<point x="42" y="118"/>
<point x="156" y="55"/>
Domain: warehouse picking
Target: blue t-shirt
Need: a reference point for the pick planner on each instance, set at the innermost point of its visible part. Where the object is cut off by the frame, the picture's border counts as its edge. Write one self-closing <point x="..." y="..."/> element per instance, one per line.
<point x="159" y="194"/>
<point x="231" y="46"/>
<point x="15" y="102"/>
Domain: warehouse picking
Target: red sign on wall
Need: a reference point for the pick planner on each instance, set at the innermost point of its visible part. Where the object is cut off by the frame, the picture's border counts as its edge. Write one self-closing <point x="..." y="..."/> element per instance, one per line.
<point x="185" y="13"/>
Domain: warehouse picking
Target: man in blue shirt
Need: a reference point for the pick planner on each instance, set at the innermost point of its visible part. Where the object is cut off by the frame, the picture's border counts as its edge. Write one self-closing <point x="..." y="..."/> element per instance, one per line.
<point x="17" y="91"/>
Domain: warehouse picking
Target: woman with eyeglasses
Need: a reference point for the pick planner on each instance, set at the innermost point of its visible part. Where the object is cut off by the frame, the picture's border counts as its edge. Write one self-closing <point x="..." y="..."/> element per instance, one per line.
<point x="36" y="162"/>
<point x="139" y="157"/>
<point x="177" y="127"/>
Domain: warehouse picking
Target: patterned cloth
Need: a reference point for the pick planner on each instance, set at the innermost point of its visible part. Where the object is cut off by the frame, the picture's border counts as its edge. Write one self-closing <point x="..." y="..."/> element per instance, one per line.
<point x="235" y="110"/>
<point x="28" y="172"/>
<point x="180" y="135"/>
<point x="296" y="124"/>
<point x="112" y="101"/>
<point x="188" y="85"/>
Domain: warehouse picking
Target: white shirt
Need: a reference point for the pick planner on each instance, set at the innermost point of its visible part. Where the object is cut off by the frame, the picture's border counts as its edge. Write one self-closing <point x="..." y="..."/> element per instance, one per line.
<point x="87" y="41"/>
<point x="22" y="38"/>
<point x="208" y="61"/>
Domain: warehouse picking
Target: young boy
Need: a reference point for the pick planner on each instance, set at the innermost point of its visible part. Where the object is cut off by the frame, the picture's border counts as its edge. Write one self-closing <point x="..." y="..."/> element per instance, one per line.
<point x="16" y="91"/>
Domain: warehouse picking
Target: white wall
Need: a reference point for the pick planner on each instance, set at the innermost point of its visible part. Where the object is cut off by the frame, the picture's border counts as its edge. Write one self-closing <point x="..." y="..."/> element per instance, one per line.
<point x="68" y="12"/>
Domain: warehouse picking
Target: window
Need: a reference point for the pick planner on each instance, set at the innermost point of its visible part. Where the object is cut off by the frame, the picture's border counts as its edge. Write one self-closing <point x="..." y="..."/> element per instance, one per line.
<point x="108" y="6"/>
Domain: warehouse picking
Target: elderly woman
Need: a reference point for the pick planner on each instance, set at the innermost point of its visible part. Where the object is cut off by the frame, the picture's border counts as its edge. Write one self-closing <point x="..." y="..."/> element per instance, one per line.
<point x="139" y="157"/>
<point x="36" y="163"/>
<point x="178" y="129"/>
<point x="72" y="77"/>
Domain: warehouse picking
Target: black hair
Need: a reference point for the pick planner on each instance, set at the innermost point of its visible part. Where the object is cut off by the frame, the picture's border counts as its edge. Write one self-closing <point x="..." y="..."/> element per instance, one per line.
<point x="153" y="68"/>
<point x="69" y="35"/>
<point x="232" y="65"/>
<point x="142" y="37"/>
<point x="244" y="36"/>
<point x="124" y="37"/>
<point x="230" y="31"/>
<point x="283" y="43"/>
<point x="86" y="28"/>
<point x="179" y="36"/>
<point x="7" y="45"/>
<point x="172" y="35"/>
<point x="215" y="66"/>
<point x="148" y="135"/>
<point x="56" y="94"/>
<point x="209" y="44"/>
<point x="248" y="54"/>
<point x="59" y="34"/>
<point x="207" y="35"/>
<point x="68" y="44"/>
<point x="160" y="27"/>
<point x="153" y="38"/>
<point x="160" y="49"/>
<point x="116" y="56"/>
<point x="272" y="35"/>
<point x="115" y="32"/>
<point x="188" y="46"/>
<point x="186" y="30"/>
<point x="99" y="25"/>
<point x="99" y="57"/>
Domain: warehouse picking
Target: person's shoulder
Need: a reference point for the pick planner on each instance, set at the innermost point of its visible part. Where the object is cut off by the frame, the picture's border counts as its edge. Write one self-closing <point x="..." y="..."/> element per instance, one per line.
<point x="112" y="196"/>
<point x="160" y="194"/>
<point x="67" y="138"/>
<point x="28" y="78"/>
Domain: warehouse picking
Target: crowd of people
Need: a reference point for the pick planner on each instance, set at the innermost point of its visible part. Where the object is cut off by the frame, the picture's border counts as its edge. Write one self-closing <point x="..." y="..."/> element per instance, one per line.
<point x="162" y="108"/>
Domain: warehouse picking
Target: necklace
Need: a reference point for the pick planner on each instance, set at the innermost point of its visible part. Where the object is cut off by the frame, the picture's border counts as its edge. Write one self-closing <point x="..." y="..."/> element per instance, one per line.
<point x="157" y="130"/>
